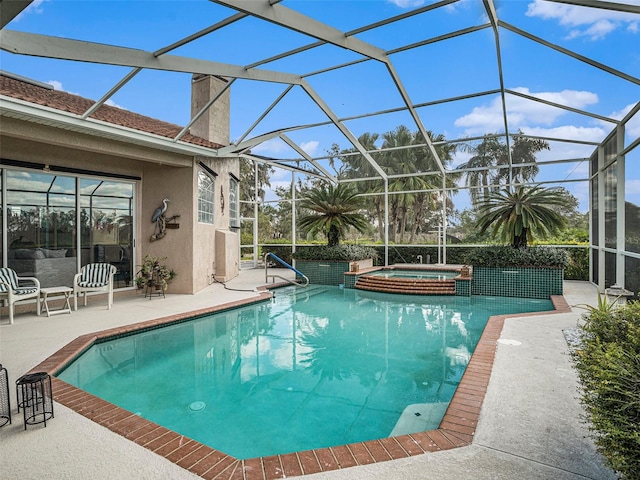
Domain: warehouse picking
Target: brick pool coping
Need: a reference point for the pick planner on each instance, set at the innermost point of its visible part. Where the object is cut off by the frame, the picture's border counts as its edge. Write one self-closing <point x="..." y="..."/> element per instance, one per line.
<point x="456" y="429"/>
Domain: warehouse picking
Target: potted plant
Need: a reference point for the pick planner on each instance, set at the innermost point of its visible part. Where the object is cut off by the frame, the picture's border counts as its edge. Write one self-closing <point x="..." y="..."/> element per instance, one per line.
<point x="153" y="272"/>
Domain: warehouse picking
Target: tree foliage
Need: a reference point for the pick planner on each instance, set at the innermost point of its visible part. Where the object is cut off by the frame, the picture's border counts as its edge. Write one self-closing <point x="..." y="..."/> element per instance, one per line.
<point x="515" y="217"/>
<point x="335" y="209"/>
<point x="415" y="186"/>
<point x="493" y="164"/>
<point x="248" y="192"/>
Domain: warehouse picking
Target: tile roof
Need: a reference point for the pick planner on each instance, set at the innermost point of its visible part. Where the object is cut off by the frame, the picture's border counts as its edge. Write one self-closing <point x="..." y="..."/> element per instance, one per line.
<point x="75" y="104"/>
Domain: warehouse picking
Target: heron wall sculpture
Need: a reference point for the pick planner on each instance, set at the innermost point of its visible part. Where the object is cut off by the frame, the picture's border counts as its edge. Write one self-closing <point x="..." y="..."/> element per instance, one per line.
<point x="160" y="220"/>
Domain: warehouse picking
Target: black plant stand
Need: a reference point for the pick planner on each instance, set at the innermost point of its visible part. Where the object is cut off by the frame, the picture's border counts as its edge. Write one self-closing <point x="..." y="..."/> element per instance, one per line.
<point x="155" y="286"/>
<point x="5" y="402"/>
<point x="35" y="397"/>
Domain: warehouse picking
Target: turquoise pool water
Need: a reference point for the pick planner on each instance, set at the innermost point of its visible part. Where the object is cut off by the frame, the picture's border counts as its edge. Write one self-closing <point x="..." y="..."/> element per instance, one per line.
<point x="422" y="274"/>
<point x="312" y="368"/>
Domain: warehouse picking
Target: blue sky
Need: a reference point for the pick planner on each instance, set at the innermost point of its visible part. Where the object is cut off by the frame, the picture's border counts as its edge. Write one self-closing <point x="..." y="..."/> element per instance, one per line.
<point x="460" y="66"/>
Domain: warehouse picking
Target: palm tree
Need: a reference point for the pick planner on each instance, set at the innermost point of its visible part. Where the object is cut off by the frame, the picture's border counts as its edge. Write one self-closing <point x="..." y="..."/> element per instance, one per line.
<point x="480" y="177"/>
<point x="336" y="209"/>
<point x="355" y="165"/>
<point x="517" y="216"/>
<point x="489" y="166"/>
<point x="523" y="151"/>
<point x="425" y="202"/>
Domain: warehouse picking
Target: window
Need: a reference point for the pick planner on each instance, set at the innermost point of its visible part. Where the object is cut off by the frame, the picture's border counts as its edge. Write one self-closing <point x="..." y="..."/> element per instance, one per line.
<point x="206" y="190"/>
<point x="234" y="211"/>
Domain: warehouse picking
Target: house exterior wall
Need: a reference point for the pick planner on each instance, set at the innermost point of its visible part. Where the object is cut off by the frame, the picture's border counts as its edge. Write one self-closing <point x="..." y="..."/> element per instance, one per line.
<point x="204" y="240"/>
<point x="161" y="182"/>
<point x="34" y="142"/>
<point x="214" y="126"/>
<point x="157" y="174"/>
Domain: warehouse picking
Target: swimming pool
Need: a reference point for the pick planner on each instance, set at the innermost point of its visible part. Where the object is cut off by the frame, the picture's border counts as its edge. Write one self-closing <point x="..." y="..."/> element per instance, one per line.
<point x="379" y="360"/>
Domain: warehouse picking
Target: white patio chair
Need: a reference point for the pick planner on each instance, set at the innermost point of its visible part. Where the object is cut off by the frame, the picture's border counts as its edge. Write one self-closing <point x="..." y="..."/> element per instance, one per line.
<point x="12" y="292"/>
<point x="94" y="277"/>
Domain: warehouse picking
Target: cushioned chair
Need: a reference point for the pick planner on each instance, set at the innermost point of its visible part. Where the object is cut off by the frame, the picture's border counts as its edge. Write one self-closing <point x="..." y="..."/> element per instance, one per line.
<point x="94" y="277"/>
<point x="12" y="291"/>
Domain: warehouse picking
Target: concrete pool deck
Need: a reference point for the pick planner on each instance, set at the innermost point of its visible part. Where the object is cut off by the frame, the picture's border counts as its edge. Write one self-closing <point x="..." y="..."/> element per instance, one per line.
<point x="529" y="426"/>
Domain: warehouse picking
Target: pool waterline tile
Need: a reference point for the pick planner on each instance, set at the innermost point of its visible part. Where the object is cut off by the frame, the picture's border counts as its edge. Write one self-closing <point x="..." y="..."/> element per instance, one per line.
<point x="456" y="429"/>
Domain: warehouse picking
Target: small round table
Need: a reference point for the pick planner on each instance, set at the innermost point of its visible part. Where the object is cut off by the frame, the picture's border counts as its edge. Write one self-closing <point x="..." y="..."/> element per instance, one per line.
<point x="47" y="292"/>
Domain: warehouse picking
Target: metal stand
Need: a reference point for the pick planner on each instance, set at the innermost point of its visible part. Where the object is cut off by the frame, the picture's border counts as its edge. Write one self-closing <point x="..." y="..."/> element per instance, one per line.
<point x="5" y="402"/>
<point x="35" y="397"/>
<point x="155" y="287"/>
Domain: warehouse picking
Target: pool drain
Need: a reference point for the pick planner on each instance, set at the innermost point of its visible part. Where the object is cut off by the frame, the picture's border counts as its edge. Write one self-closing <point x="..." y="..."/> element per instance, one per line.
<point x="197" y="406"/>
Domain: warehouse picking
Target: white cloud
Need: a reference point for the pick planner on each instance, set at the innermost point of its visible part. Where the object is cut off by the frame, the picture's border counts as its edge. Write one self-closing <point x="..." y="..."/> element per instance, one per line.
<point x="587" y="134"/>
<point x="633" y="125"/>
<point x="632" y="187"/>
<point x="311" y="147"/>
<point x="58" y="86"/>
<point x="594" y="23"/>
<point x="111" y="103"/>
<point x="271" y="147"/>
<point x="407" y="3"/>
<point x="522" y="112"/>
<point x="34" y="7"/>
<point x="276" y="147"/>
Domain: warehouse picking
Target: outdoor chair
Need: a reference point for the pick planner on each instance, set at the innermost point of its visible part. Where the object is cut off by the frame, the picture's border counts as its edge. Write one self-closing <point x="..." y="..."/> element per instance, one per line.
<point x="94" y="277"/>
<point x="11" y="290"/>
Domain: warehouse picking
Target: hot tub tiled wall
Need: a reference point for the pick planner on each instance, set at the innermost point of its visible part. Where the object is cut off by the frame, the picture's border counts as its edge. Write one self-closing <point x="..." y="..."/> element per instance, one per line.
<point x="329" y="272"/>
<point x="463" y="287"/>
<point x="350" y="279"/>
<point x="530" y="282"/>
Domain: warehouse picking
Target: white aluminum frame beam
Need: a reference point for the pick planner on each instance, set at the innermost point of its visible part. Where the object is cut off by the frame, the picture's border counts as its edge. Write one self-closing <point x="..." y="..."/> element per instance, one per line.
<point x="308" y="158"/>
<point x="566" y="51"/>
<point x="65" y="49"/>
<point x="287" y="18"/>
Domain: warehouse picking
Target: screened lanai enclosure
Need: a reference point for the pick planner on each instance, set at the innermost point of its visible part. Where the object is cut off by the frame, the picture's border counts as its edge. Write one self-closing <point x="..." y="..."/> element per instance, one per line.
<point x="422" y="107"/>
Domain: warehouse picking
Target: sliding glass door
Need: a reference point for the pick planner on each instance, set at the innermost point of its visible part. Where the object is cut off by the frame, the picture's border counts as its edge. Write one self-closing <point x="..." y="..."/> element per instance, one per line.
<point x="106" y="226"/>
<point x="43" y="211"/>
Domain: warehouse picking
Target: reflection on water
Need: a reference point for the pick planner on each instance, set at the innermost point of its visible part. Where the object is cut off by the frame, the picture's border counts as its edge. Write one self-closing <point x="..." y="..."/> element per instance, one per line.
<point x="313" y="368"/>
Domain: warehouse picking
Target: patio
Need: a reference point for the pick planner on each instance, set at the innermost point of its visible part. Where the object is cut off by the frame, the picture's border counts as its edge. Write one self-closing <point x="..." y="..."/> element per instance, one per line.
<point x="529" y="427"/>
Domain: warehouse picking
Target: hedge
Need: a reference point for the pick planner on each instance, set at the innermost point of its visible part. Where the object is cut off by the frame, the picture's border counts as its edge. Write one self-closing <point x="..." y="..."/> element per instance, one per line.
<point x="507" y="256"/>
<point x="608" y="365"/>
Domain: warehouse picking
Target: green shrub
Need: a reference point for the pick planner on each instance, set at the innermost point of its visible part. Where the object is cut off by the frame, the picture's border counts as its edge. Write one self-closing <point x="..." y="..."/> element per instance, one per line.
<point x="507" y="256"/>
<point x="338" y="252"/>
<point x="283" y="252"/>
<point x="608" y="365"/>
<point x="578" y="266"/>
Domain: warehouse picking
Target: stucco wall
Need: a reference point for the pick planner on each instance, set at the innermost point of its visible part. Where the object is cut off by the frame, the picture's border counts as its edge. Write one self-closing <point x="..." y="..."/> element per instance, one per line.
<point x="204" y="238"/>
<point x="35" y="142"/>
<point x="161" y="182"/>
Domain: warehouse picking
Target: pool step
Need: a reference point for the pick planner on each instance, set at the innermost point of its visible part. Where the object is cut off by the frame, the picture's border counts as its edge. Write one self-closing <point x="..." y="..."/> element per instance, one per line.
<point x="409" y="286"/>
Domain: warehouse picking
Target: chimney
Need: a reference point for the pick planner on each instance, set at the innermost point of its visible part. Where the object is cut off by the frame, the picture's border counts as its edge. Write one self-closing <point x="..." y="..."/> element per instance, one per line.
<point x="214" y="123"/>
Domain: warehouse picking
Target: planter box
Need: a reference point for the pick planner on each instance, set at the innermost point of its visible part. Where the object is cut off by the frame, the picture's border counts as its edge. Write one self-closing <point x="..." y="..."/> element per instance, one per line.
<point x="330" y="272"/>
<point x="529" y="282"/>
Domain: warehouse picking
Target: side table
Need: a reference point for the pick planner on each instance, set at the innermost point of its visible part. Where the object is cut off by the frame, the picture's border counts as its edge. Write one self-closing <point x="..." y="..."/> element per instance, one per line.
<point x="47" y="292"/>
